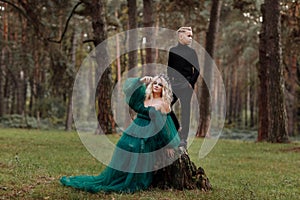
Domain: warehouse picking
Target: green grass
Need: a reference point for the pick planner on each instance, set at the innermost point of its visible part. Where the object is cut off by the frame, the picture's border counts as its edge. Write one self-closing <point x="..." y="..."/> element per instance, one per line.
<point x="32" y="161"/>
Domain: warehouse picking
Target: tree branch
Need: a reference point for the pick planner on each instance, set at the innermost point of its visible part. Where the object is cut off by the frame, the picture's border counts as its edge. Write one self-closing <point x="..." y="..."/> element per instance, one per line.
<point x="67" y="24"/>
<point x="33" y="17"/>
<point x="87" y="41"/>
<point x="34" y="22"/>
<point x="18" y="9"/>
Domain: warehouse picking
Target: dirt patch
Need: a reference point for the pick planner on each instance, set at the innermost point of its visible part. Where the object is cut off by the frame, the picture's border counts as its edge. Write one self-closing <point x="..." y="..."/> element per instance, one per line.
<point x="292" y="149"/>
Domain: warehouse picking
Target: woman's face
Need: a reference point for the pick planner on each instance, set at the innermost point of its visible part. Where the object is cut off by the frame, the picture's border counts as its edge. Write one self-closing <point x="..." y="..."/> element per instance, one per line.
<point x="157" y="86"/>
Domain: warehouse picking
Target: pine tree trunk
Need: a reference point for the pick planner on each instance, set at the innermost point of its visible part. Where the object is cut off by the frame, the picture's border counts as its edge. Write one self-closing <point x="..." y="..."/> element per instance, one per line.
<point x="205" y="106"/>
<point x="24" y="69"/>
<point x="69" y="119"/>
<point x="277" y="115"/>
<point x="6" y="95"/>
<point x="2" y="70"/>
<point x="272" y="60"/>
<point x="228" y="85"/>
<point x="232" y="94"/>
<point x="118" y="59"/>
<point x="21" y="77"/>
<point x="104" y="88"/>
<point x="252" y="99"/>
<point x="291" y="93"/>
<point x="142" y="52"/>
<point x="21" y="94"/>
<point x="246" y="101"/>
<point x="148" y="22"/>
<point x="132" y="37"/>
<point x="237" y="95"/>
<point x="263" y="112"/>
<point x="3" y="61"/>
<point x="132" y="45"/>
<point x="36" y="85"/>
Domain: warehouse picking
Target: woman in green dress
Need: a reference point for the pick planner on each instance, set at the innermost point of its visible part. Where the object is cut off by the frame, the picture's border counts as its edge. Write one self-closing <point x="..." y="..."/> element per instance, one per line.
<point x="151" y="134"/>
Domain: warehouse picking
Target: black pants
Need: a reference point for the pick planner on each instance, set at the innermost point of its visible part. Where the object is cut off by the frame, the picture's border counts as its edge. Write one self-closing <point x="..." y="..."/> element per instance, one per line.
<point x="185" y="96"/>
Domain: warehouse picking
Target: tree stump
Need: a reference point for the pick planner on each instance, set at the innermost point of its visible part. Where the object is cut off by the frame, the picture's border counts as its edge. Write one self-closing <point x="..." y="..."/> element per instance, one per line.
<point x="181" y="174"/>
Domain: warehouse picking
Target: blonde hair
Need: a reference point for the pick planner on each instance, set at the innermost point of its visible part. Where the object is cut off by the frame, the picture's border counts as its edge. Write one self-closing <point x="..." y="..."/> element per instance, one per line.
<point x="167" y="94"/>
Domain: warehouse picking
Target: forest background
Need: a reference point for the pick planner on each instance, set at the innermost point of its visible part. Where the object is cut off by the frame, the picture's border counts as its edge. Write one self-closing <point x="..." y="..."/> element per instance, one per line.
<point x="43" y="44"/>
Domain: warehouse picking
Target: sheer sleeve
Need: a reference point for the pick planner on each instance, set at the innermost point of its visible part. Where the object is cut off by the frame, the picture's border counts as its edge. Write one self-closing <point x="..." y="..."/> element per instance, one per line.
<point x="134" y="91"/>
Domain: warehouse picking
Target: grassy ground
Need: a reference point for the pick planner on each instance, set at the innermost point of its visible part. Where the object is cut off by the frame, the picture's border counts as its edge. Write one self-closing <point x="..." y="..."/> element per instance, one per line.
<point x="32" y="161"/>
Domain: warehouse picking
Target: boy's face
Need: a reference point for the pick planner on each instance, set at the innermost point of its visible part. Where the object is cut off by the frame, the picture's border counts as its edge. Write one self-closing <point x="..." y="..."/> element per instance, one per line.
<point x="186" y="37"/>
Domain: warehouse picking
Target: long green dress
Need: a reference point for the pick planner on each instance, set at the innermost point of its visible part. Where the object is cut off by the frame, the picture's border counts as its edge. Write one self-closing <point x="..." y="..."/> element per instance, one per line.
<point x="135" y="157"/>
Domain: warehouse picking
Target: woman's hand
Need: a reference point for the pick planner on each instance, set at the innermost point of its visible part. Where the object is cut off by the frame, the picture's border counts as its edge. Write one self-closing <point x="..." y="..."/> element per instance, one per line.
<point x="146" y="79"/>
<point x="170" y="152"/>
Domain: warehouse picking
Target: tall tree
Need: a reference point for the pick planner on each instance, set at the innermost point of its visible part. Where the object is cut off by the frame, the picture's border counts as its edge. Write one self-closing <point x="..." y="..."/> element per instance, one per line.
<point x="104" y="89"/>
<point x="290" y="15"/>
<point x="273" y="127"/>
<point x="5" y="53"/>
<point x="69" y="114"/>
<point x="148" y="22"/>
<point x="211" y="35"/>
<point x="263" y="111"/>
<point x="132" y="36"/>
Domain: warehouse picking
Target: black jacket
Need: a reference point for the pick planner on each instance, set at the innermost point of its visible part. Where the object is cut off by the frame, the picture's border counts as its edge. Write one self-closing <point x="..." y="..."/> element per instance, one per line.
<point x="184" y="60"/>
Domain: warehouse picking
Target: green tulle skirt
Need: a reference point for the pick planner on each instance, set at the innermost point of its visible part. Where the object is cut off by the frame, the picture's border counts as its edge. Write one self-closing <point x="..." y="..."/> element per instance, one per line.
<point x="133" y="162"/>
<point x="110" y="180"/>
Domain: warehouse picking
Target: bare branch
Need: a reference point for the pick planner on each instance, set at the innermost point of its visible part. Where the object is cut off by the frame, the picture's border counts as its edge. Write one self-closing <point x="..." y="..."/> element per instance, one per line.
<point x="87" y="41"/>
<point x="35" y="22"/>
<point x="20" y="11"/>
<point x="67" y="24"/>
<point x="38" y="26"/>
<point x="16" y="7"/>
